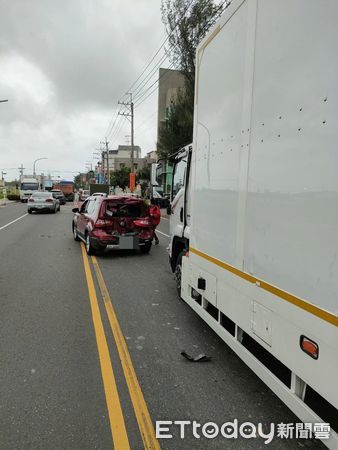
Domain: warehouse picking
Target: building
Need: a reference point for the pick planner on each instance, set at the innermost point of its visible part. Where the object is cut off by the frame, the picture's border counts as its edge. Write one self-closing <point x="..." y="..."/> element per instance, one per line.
<point x="170" y="83"/>
<point x="121" y="157"/>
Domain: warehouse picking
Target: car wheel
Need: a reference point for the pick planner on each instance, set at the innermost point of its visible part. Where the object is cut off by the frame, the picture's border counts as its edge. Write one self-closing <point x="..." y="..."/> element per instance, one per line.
<point x="178" y="274"/>
<point x="89" y="248"/>
<point x="100" y="251"/>
<point x="29" y="211"/>
<point x="145" y="248"/>
<point x="75" y="235"/>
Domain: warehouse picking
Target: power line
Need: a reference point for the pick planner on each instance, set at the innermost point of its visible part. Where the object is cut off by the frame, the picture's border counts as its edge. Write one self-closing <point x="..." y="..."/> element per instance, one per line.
<point x="140" y="94"/>
<point x="139" y="86"/>
<point x="138" y="102"/>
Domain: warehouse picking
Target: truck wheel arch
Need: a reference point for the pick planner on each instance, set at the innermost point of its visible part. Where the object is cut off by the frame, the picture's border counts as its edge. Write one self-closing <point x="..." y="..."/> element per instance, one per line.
<point x="179" y="245"/>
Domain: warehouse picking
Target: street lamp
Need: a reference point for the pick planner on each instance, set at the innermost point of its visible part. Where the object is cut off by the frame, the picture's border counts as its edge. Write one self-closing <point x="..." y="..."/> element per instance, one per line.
<point x="39" y="159"/>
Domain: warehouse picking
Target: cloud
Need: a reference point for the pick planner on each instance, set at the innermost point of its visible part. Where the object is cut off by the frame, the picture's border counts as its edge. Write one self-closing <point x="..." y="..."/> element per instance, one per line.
<point x="64" y="65"/>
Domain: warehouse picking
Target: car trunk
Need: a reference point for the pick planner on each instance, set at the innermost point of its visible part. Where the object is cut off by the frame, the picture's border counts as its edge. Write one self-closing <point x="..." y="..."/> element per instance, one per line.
<point x="120" y="214"/>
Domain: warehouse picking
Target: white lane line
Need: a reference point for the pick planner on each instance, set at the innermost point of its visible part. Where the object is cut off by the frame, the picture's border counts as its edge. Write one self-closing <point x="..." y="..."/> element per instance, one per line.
<point x="10" y="223"/>
<point x="164" y="218"/>
<point x="158" y="231"/>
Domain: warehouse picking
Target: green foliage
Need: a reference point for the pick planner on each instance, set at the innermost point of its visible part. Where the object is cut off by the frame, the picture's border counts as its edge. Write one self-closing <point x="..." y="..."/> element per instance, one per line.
<point x="14" y="197"/>
<point x="78" y="181"/>
<point x="120" y="177"/>
<point x="187" y="22"/>
<point x="143" y="174"/>
<point x="176" y="132"/>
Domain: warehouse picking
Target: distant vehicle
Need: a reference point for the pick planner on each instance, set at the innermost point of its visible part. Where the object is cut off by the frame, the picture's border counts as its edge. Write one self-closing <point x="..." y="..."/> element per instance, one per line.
<point x="28" y="185"/>
<point x="99" y="194"/>
<point x="84" y="195"/>
<point x="113" y="222"/>
<point x="57" y="193"/>
<point x="43" y="201"/>
<point x="47" y="185"/>
<point x="98" y="187"/>
<point x="68" y="189"/>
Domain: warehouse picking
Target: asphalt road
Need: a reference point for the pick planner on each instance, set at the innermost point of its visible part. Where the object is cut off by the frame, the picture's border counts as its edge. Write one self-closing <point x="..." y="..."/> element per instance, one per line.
<point x="63" y="351"/>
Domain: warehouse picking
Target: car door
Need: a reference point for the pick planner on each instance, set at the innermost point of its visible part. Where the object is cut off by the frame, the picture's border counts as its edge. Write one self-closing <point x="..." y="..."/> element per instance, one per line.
<point x="81" y="221"/>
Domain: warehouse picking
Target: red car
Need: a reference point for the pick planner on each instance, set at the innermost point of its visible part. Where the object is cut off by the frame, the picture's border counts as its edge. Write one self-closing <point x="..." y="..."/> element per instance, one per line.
<point x="117" y="222"/>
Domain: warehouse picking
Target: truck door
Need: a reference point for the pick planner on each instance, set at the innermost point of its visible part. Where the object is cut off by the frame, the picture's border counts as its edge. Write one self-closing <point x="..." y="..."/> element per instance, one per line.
<point x="177" y="219"/>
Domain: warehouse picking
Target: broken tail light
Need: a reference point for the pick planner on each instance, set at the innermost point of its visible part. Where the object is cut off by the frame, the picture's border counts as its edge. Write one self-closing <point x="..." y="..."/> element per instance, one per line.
<point x="101" y="223"/>
<point x="144" y="222"/>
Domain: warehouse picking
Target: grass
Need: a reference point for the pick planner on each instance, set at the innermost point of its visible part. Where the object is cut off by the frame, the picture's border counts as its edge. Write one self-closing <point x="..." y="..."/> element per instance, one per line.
<point x="9" y="191"/>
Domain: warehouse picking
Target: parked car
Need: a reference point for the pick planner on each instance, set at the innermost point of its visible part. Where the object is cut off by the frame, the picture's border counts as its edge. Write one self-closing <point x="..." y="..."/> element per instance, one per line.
<point x="43" y="201"/>
<point x="83" y="195"/>
<point x="57" y="193"/>
<point x="113" y="222"/>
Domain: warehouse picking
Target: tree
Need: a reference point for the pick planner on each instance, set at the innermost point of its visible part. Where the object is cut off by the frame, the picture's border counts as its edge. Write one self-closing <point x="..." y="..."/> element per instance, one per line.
<point x="143" y="174"/>
<point x="176" y="131"/>
<point x="187" y="22"/>
<point x="120" y="177"/>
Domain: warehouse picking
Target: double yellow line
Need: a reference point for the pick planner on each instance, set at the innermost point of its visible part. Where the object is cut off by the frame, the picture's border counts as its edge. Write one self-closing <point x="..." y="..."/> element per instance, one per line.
<point x="117" y="423"/>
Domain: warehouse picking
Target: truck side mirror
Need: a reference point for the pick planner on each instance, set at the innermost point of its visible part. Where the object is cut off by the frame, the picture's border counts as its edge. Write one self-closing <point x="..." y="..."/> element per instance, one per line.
<point x="169" y="210"/>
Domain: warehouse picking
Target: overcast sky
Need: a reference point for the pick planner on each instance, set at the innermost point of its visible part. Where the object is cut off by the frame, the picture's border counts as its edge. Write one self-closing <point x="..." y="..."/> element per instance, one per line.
<point x="63" y="66"/>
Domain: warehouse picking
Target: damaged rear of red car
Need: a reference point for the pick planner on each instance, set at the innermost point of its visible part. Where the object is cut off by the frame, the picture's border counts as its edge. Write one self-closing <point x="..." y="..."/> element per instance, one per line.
<point x="113" y="222"/>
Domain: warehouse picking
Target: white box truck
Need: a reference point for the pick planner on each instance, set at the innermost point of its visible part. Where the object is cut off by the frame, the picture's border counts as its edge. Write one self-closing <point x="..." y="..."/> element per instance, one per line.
<point x="254" y="212"/>
<point x="28" y="184"/>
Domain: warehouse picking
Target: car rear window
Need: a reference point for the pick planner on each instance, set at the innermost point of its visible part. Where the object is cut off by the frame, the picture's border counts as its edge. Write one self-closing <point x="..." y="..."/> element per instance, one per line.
<point x="41" y="194"/>
<point x="115" y="208"/>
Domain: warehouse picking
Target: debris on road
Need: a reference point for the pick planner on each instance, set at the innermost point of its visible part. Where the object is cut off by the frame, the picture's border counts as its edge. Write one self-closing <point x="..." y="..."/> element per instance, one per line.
<point x="199" y="358"/>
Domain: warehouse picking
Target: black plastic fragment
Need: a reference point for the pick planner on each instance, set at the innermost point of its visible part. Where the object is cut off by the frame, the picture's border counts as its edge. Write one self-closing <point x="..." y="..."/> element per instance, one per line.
<point x="199" y="358"/>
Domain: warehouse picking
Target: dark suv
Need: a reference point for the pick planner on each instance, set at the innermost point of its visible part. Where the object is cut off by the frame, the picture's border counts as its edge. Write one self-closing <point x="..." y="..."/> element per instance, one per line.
<point x="58" y="194"/>
<point x="117" y="222"/>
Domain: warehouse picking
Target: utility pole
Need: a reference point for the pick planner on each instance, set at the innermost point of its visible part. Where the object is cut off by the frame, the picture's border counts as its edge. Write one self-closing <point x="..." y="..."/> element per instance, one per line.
<point x="21" y="169"/>
<point x="130" y="114"/>
<point x="107" y="152"/>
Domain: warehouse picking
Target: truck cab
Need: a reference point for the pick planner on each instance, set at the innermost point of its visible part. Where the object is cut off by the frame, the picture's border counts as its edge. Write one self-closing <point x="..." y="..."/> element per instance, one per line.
<point x="27" y="187"/>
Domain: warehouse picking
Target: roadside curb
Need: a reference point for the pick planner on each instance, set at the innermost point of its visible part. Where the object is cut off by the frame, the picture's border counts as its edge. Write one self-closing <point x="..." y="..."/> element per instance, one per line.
<point x="6" y="202"/>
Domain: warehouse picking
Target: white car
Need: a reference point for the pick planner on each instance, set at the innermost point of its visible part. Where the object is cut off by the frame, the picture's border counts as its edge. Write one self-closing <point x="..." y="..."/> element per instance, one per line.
<point x="43" y="201"/>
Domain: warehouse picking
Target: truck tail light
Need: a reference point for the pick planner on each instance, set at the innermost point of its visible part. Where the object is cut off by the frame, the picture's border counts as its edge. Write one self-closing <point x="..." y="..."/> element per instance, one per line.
<point x="309" y="347"/>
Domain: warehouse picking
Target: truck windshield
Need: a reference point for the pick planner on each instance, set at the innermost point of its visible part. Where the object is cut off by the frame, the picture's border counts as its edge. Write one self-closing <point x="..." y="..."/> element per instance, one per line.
<point x="179" y="176"/>
<point x="29" y="186"/>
